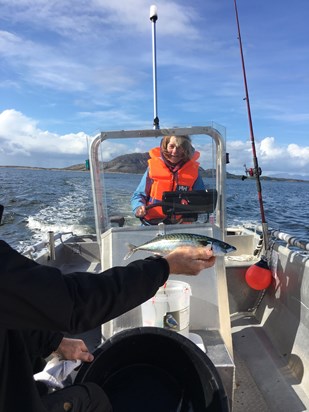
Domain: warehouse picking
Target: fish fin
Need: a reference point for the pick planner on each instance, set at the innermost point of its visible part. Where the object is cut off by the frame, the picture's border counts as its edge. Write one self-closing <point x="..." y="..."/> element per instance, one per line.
<point x="132" y="249"/>
<point x="158" y="253"/>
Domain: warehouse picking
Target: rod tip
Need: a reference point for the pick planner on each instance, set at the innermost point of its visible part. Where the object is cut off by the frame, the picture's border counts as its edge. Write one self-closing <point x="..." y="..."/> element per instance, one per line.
<point x="153" y="13"/>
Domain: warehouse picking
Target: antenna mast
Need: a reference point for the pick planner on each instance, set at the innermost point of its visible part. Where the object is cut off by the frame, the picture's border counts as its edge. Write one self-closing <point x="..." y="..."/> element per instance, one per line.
<point x="154" y="18"/>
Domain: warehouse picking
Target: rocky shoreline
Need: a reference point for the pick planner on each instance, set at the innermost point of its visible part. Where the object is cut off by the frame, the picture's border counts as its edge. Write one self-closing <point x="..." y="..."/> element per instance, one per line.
<point x="136" y="163"/>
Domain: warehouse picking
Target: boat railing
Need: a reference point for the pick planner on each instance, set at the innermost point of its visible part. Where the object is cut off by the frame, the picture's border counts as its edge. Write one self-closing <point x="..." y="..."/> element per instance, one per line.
<point x="47" y="245"/>
<point x="287" y="238"/>
<point x="100" y="210"/>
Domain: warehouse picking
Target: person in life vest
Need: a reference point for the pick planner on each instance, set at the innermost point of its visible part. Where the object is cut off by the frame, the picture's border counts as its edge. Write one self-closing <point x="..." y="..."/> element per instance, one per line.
<point x="172" y="166"/>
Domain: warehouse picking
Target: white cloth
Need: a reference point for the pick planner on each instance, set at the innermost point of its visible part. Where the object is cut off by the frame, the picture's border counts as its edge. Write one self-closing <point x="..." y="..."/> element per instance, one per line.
<point x="56" y="371"/>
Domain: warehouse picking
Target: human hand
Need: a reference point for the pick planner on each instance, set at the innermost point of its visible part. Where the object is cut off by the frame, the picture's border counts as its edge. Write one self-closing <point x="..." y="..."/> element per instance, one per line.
<point x="189" y="260"/>
<point x="73" y="349"/>
<point x="140" y="211"/>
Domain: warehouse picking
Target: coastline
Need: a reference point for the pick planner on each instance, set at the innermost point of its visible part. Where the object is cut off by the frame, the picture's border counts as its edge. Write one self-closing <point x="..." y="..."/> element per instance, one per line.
<point x="81" y="168"/>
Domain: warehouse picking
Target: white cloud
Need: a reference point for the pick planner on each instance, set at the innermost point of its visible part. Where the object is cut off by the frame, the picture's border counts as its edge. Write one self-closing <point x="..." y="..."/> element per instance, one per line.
<point x="290" y="157"/>
<point x="268" y="150"/>
<point x="292" y="117"/>
<point x="86" y="65"/>
<point x="272" y="158"/>
<point x="300" y="154"/>
<point x="23" y="143"/>
<point x="91" y="17"/>
<point x="19" y="134"/>
<point x="84" y="49"/>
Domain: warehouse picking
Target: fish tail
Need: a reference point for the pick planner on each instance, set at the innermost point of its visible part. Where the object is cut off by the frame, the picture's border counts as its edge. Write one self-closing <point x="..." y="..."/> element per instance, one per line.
<point x="132" y="249"/>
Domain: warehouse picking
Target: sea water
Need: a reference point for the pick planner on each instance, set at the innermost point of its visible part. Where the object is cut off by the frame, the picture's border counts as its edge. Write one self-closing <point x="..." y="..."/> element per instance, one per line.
<point x="37" y="201"/>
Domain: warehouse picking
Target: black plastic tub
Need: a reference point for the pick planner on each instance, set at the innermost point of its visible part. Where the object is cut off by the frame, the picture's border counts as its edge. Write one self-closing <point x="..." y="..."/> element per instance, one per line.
<point x="150" y="369"/>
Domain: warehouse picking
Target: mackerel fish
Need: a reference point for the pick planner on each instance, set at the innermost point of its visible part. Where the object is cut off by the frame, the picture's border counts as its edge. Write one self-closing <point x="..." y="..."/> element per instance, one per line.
<point x="163" y="244"/>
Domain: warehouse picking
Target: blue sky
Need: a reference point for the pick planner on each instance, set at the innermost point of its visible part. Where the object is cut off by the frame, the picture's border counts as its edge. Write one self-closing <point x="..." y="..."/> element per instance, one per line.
<point x="70" y="69"/>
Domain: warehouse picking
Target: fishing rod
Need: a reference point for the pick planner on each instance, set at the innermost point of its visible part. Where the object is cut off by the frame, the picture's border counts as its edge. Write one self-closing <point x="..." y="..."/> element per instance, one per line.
<point x="256" y="172"/>
<point x="154" y="18"/>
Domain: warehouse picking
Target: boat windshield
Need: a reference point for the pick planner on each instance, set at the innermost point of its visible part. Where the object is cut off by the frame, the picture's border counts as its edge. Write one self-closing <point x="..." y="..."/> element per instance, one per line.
<point x="115" y="209"/>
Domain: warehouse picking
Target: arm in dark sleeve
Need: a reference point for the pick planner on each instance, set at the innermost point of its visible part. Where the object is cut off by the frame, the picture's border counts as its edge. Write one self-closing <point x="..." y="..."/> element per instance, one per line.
<point x="34" y="296"/>
<point x="40" y="344"/>
<point x="117" y="290"/>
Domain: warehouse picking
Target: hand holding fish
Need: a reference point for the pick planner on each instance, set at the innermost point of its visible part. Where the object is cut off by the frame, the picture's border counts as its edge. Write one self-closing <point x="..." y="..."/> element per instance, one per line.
<point x="190" y="260"/>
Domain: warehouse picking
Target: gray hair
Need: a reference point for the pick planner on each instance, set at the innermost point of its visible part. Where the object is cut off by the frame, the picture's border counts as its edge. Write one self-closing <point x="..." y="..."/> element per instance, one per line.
<point x="183" y="141"/>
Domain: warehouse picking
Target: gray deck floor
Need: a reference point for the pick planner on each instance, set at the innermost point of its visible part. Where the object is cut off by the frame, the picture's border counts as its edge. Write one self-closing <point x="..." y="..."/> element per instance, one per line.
<point x="262" y="380"/>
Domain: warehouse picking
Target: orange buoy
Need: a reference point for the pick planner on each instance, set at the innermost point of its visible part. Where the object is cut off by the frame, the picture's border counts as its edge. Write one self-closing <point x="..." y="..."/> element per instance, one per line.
<point x="259" y="276"/>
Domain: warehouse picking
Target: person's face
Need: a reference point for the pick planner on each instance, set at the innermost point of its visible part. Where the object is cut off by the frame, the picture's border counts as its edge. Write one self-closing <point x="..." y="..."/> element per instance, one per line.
<point x="174" y="153"/>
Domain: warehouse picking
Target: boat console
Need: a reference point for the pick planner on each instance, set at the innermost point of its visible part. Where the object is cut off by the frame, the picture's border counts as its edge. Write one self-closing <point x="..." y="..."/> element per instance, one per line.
<point x="209" y="317"/>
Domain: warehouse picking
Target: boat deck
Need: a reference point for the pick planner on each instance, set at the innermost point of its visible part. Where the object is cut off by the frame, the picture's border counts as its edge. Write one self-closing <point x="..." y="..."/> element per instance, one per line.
<point x="267" y="378"/>
<point x="264" y="381"/>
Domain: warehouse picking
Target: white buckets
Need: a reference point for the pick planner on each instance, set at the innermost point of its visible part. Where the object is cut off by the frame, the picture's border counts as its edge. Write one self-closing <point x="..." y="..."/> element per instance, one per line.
<point x="169" y="308"/>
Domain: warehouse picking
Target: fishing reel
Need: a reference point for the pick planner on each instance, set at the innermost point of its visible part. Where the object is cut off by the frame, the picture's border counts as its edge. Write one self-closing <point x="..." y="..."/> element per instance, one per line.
<point x="252" y="172"/>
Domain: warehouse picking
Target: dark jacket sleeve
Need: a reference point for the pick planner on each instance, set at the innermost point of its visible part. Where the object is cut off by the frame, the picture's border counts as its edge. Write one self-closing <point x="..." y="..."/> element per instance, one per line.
<point x="34" y="296"/>
<point x="41" y="342"/>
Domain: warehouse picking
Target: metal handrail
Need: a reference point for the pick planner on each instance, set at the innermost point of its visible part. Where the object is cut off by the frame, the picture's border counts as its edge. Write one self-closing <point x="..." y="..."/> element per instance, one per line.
<point x="289" y="239"/>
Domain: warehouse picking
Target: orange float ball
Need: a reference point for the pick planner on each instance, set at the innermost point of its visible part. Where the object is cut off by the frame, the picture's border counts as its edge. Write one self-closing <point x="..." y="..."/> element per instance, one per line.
<point x="259" y="276"/>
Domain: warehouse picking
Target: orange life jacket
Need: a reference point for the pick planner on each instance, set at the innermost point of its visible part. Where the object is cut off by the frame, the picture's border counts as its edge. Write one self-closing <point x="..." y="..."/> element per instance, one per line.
<point x="166" y="181"/>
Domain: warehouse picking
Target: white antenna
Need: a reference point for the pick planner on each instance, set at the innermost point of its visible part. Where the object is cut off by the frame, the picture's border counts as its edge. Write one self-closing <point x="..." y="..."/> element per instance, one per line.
<point x="154" y="18"/>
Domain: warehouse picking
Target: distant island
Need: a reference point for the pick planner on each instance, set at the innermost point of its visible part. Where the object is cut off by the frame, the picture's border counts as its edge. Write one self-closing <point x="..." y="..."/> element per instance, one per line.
<point x="136" y="163"/>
